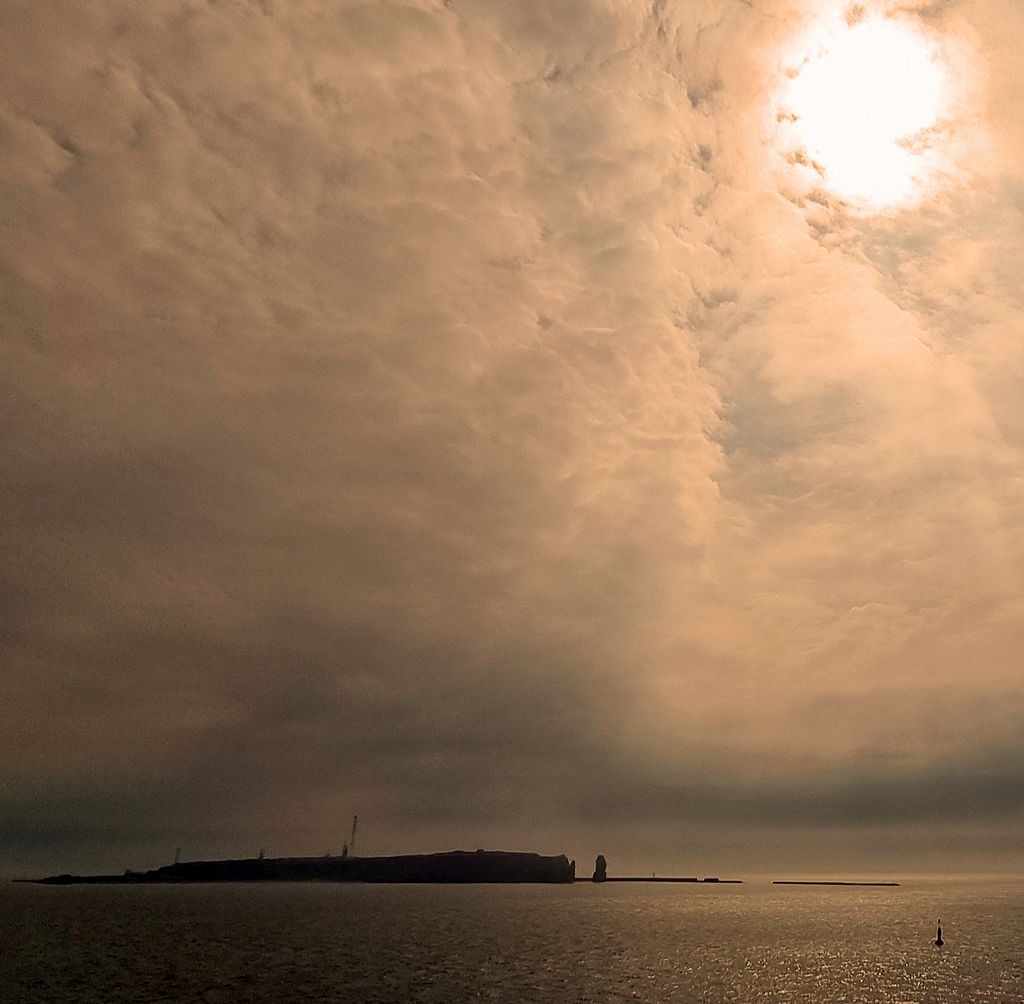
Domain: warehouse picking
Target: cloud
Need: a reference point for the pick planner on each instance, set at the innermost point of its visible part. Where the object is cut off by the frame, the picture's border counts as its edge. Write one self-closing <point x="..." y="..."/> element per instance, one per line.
<point x="429" y="409"/>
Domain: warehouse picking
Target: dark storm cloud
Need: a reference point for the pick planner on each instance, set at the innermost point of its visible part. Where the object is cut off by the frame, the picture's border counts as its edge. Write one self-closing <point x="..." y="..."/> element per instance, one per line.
<point x="433" y="410"/>
<point x="944" y="794"/>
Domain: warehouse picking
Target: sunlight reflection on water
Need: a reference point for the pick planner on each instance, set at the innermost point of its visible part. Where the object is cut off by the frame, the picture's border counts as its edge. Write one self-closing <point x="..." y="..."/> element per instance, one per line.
<point x="512" y="943"/>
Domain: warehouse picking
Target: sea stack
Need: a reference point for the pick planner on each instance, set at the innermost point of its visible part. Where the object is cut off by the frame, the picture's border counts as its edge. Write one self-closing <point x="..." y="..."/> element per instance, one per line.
<point x="600" y="869"/>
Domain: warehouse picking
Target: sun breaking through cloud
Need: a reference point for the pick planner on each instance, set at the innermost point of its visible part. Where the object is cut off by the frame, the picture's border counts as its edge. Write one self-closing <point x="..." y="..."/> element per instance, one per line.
<point x="449" y="412"/>
<point x="864" y="106"/>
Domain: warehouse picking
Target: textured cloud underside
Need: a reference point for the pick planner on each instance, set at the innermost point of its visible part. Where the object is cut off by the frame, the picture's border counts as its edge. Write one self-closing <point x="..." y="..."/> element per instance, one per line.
<point x="435" y="408"/>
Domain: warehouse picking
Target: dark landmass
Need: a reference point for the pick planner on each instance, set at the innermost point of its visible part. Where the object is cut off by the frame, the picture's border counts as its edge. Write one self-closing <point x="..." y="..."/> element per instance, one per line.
<point x="450" y="866"/>
<point x="795" y="882"/>
<point x="668" y="878"/>
<point x="446" y="867"/>
<point x="601" y="875"/>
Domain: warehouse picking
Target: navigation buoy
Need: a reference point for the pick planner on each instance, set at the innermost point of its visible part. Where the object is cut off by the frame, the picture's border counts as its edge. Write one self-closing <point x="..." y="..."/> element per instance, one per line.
<point x="938" y="934"/>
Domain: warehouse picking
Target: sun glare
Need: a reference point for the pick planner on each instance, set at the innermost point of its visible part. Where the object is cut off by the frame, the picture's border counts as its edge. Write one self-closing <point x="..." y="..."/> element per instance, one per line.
<point x="860" y="109"/>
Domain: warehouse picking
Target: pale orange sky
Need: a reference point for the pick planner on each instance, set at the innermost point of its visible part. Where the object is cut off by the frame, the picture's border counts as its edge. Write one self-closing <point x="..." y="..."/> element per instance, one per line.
<point x="494" y="419"/>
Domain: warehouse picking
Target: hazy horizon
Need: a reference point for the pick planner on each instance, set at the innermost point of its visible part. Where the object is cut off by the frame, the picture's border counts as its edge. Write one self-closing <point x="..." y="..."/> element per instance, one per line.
<point x="591" y="427"/>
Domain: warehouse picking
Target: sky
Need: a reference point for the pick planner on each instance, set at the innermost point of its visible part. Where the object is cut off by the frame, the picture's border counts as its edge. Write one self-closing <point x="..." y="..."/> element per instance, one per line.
<point x="531" y="426"/>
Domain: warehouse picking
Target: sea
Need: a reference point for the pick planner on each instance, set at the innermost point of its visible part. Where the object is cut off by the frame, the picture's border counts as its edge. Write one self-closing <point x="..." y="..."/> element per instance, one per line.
<point x="521" y="943"/>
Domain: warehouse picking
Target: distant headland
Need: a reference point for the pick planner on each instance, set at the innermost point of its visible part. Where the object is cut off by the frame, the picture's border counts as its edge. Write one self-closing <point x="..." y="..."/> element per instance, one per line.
<point x="446" y="867"/>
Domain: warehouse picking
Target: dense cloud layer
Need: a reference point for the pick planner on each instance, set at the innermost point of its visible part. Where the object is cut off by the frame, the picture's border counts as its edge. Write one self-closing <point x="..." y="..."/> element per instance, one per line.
<point x="464" y="413"/>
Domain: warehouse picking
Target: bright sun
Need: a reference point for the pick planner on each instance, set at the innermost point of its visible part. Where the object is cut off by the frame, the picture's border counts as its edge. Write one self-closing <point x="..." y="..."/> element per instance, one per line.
<point x="860" y="108"/>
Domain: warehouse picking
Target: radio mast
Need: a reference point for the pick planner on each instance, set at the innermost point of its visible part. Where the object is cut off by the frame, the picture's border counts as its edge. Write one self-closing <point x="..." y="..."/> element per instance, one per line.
<point x="352" y="841"/>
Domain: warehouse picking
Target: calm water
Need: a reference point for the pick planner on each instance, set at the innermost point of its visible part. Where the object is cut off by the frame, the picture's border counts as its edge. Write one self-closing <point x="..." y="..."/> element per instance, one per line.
<point x="512" y="943"/>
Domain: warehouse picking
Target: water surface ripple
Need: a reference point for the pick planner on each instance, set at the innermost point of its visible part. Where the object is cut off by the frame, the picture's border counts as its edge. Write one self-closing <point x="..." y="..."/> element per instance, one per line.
<point x="318" y="942"/>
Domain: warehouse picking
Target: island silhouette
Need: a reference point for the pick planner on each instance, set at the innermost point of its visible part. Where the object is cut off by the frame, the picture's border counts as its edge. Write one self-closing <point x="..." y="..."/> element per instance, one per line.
<point x="445" y="867"/>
